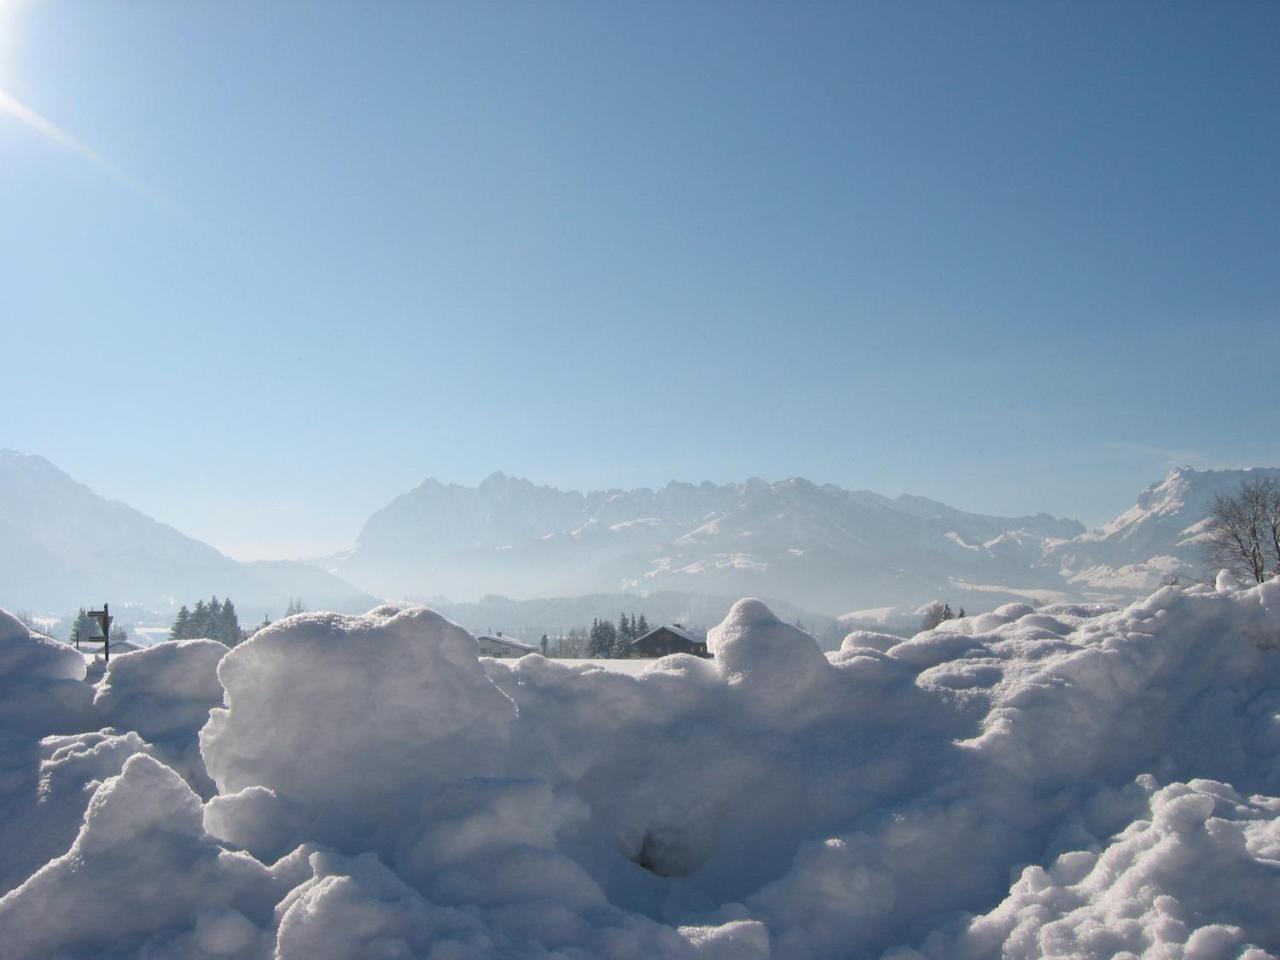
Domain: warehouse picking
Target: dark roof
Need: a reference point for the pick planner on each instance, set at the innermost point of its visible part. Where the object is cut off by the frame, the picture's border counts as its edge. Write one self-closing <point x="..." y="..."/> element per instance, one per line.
<point x="681" y="632"/>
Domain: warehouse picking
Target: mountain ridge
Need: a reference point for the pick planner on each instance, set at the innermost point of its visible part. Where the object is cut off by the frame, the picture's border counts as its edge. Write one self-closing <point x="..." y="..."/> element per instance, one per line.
<point x="788" y="539"/>
<point x="65" y="546"/>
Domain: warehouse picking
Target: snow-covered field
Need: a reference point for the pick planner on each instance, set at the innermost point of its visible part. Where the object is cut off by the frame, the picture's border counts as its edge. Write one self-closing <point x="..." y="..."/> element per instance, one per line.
<point x="1073" y="781"/>
<point x="628" y="666"/>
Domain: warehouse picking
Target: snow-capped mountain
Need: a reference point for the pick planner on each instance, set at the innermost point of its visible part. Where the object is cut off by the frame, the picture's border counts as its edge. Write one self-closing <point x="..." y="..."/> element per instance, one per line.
<point x="63" y="546"/>
<point x="1153" y="541"/>
<point x="820" y="546"/>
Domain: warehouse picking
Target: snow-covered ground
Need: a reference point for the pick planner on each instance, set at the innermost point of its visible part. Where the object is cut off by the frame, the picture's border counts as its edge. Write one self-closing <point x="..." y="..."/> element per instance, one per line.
<point x="628" y="666"/>
<point x="1072" y="781"/>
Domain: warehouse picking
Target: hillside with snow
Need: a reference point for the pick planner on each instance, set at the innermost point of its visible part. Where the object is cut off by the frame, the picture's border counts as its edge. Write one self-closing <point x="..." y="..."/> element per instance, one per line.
<point x="1155" y="540"/>
<point x="62" y="546"/>
<point x="1074" y="781"/>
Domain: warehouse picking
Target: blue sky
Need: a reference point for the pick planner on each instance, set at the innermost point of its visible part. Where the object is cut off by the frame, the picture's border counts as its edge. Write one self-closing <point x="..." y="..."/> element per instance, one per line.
<point x="300" y="256"/>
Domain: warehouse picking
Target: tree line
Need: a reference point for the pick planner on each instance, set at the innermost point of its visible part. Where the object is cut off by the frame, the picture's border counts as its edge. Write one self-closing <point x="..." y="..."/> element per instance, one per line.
<point x="216" y="620"/>
<point x="609" y="640"/>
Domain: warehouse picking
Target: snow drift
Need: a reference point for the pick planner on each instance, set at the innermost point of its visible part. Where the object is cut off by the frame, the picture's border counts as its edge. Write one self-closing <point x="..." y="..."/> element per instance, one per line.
<point x="1078" y="780"/>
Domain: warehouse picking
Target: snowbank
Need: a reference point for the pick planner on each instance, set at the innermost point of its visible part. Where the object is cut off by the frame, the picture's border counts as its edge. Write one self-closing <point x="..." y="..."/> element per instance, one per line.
<point x="351" y="721"/>
<point x="40" y="688"/>
<point x="988" y="788"/>
<point x="1196" y="876"/>
<point x="163" y="691"/>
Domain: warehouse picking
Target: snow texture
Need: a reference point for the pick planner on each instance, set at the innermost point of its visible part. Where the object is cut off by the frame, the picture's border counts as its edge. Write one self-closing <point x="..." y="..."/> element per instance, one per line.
<point x="1071" y="781"/>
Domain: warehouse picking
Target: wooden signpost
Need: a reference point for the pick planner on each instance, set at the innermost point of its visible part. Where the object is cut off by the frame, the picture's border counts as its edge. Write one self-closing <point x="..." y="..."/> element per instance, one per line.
<point x="104" y="619"/>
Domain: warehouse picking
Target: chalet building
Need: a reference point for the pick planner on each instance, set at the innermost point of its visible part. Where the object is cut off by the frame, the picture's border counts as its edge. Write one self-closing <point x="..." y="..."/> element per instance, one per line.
<point x="496" y="645"/>
<point x="675" y="638"/>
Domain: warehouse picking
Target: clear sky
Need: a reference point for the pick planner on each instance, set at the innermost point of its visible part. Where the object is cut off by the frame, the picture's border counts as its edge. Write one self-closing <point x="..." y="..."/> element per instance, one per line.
<point x="264" y="266"/>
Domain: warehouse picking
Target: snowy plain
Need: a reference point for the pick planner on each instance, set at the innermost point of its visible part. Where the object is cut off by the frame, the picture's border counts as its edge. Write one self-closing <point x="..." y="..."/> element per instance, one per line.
<point x="1068" y="781"/>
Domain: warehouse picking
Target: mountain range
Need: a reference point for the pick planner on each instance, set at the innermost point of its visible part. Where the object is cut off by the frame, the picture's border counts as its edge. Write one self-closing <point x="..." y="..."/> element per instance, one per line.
<point x="816" y="547"/>
<point x="819" y="546"/>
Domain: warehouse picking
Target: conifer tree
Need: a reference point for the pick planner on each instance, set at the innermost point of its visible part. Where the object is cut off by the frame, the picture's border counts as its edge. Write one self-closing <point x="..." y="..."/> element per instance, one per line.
<point x="198" y="626"/>
<point x="81" y="627"/>
<point x="593" y="638"/>
<point x="622" y="642"/>
<point x="603" y="638"/>
<point x="181" y="624"/>
<point x="642" y="626"/>
<point x="228" y="624"/>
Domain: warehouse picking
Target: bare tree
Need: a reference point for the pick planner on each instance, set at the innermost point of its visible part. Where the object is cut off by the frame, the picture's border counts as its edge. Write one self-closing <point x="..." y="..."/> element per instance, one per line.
<point x="1244" y="531"/>
<point x="1271" y="500"/>
<point x="934" y="614"/>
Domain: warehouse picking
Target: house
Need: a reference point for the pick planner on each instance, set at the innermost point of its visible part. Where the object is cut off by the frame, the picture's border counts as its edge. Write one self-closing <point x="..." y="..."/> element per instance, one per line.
<point x="675" y="638"/>
<point x="496" y="645"/>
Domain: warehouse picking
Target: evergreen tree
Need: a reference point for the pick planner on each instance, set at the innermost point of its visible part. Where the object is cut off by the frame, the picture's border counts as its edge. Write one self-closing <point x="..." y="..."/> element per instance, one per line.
<point x="295" y="606"/>
<point x="603" y="638"/>
<point x="593" y="638"/>
<point x="609" y="638"/>
<point x="946" y="612"/>
<point x="82" y="628"/>
<point x="181" y="625"/>
<point x="228" y="625"/>
<point x="961" y="613"/>
<point x="622" y="644"/>
<point x="198" y="625"/>
<point x="642" y="626"/>
<point x="119" y="635"/>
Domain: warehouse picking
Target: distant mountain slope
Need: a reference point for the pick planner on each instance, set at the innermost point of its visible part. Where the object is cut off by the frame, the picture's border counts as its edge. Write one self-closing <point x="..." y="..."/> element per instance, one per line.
<point x="62" y="545"/>
<point x="818" y="546"/>
<point x="1156" y="539"/>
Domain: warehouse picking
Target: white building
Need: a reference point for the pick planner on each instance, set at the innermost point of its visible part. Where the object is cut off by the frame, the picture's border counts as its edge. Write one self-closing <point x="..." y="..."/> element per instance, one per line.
<point x="496" y="645"/>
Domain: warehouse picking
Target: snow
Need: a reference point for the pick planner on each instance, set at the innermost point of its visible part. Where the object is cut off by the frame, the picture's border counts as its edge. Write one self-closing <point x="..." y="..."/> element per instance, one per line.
<point x="633" y="667"/>
<point x="1077" y="780"/>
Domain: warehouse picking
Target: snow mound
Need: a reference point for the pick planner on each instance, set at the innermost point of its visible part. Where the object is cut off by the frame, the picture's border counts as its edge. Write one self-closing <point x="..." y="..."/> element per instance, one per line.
<point x="1196" y="878"/>
<point x="141" y="875"/>
<point x="349" y="721"/>
<point x="162" y="691"/>
<point x="40" y="689"/>
<point x="375" y="789"/>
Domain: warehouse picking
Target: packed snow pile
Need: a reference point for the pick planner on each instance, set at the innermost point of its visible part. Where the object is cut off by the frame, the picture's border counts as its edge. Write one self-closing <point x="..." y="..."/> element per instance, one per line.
<point x="1071" y="781"/>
